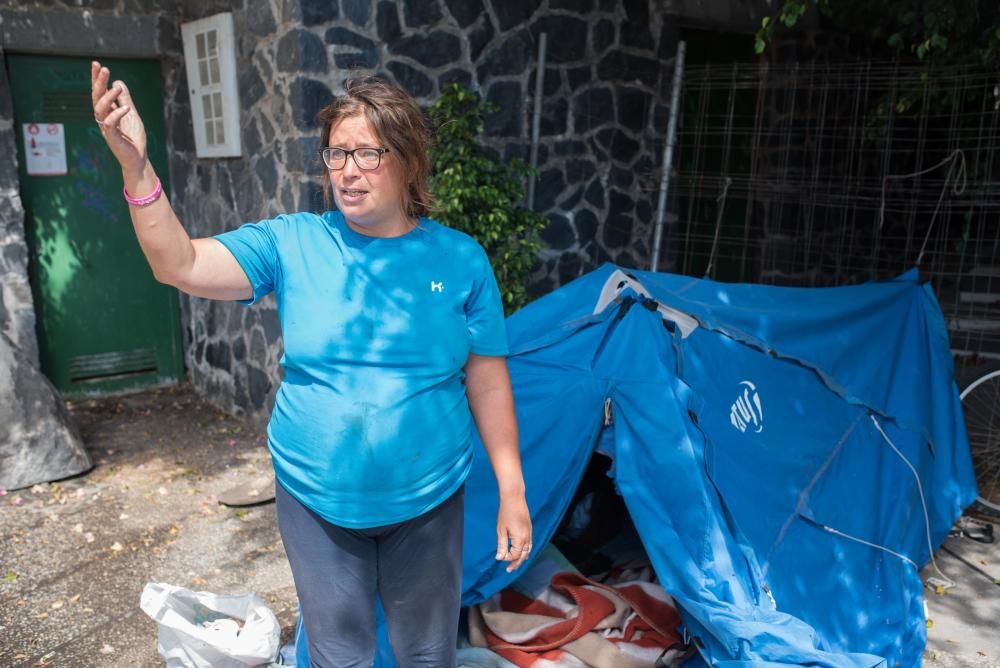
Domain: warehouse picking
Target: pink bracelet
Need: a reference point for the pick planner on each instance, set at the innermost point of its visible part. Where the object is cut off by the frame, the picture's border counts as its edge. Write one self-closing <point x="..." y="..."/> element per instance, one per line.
<point x="148" y="199"/>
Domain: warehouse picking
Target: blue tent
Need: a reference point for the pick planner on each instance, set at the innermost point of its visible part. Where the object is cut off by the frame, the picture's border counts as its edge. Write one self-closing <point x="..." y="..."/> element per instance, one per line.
<point x="789" y="456"/>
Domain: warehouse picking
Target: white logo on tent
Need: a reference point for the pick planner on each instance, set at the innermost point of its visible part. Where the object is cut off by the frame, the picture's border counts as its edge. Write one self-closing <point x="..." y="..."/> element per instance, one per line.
<point x="746" y="410"/>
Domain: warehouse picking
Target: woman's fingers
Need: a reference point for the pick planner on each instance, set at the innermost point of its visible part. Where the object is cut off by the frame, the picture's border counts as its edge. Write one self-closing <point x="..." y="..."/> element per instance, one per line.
<point x="513" y="546"/>
<point x="97" y="88"/>
<point x="513" y="532"/>
<point x="102" y="96"/>
<point x="108" y="101"/>
<point x="112" y="120"/>
<point x="124" y="96"/>
<point x="502" y="553"/>
<point x="117" y="118"/>
<point x="520" y="550"/>
<point x="132" y="124"/>
<point x="519" y="553"/>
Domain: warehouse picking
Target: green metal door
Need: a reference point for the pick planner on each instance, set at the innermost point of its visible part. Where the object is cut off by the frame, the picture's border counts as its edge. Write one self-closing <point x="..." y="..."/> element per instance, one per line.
<point x="103" y="323"/>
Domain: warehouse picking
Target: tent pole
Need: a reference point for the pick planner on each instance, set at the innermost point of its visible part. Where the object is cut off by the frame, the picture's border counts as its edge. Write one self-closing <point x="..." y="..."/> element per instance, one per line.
<point x="668" y="154"/>
<point x="536" y="117"/>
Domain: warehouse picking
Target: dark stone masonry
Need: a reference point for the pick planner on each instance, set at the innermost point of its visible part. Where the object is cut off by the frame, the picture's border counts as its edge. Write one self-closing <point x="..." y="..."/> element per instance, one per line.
<point x="606" y="91"/>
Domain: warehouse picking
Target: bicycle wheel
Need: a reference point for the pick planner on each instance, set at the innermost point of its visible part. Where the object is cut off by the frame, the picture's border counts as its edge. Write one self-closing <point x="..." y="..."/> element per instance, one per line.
<point x="980" y="398"/>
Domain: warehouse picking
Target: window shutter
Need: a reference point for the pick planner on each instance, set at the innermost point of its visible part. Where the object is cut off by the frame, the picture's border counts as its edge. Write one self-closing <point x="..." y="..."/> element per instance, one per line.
<point x="210" y="61"/>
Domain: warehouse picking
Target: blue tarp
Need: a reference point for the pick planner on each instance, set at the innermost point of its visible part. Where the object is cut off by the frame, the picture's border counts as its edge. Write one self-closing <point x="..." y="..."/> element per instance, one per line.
<point x="777" y="448"/>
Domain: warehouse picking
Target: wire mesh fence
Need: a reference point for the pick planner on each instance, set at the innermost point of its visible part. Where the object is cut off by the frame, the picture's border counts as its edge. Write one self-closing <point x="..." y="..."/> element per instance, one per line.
<point x="833" y="174"/>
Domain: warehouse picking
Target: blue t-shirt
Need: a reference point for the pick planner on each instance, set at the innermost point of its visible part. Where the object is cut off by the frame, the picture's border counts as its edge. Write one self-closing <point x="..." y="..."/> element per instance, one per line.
<point x="371" y="424"/>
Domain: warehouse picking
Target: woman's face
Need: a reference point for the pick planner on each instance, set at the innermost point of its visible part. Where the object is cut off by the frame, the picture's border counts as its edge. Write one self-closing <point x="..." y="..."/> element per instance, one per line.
<point x="371" y="200"/>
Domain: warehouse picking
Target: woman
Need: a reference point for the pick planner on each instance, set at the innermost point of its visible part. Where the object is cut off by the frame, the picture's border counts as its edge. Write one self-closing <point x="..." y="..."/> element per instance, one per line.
<point x="394" y="344"/>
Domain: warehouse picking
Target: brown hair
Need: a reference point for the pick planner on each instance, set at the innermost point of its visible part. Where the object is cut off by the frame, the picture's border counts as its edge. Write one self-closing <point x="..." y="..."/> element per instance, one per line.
<point x="398" y="123"/>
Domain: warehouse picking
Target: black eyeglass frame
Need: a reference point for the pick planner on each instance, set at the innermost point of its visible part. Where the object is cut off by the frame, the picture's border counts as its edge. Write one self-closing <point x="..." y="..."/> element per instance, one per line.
<point x="350" y="153"/>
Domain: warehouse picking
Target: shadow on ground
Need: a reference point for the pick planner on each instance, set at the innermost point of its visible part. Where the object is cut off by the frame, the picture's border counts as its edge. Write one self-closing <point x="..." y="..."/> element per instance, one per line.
<point x="75" y="555"/>
<point x="964" y="627"/>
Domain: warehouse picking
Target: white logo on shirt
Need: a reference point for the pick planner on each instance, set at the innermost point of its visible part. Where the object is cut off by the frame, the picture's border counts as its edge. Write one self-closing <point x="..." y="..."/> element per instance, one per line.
<point x="437" y="287"/>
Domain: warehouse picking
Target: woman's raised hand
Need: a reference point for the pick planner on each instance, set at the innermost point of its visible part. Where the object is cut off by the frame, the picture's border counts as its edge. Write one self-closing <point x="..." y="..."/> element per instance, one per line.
<point x="118" y="119"/>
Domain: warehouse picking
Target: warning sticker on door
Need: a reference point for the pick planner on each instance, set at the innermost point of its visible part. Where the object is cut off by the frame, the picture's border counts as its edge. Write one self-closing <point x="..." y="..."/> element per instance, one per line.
<point x="45" y="149"/>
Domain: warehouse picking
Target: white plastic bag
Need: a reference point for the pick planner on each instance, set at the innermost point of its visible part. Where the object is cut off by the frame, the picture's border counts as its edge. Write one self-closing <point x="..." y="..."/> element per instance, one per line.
<point x="203" y="630"/>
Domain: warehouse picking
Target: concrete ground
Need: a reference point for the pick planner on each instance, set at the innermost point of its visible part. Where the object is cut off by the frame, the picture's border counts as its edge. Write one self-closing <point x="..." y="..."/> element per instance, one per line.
<point x="75" y="555"/>
<point x="964" y="628"/>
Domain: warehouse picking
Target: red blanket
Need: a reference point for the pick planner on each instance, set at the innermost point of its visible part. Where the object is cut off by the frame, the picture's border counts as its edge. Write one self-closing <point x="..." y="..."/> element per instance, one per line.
<point x="629" y="622"/>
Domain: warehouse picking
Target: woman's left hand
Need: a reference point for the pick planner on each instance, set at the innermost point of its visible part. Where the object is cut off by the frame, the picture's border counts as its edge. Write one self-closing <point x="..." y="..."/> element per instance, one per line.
<point x="487" y="384"/>
<point x="513" y="531"/>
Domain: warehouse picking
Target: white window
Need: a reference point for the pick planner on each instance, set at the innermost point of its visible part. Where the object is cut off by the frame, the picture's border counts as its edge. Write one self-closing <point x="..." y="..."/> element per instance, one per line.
<point x="210" y="60"/>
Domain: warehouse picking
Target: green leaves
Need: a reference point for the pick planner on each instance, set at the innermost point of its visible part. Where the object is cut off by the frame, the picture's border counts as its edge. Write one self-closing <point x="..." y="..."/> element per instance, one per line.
<point x="477" y="193"/>
<point x="763" y="36"/>
<point x="791" y="12"/>
<point x="940" y="30"/>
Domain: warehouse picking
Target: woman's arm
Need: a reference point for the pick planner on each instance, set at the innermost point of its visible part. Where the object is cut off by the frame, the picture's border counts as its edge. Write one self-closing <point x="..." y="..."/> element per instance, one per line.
<point x="491" y="399"/>
<point x="203" y="267"/>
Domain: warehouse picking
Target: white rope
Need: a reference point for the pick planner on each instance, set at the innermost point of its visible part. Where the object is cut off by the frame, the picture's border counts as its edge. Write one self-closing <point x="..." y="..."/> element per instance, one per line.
<point x="956" y="172"/>
<point x="876" y="546"/>
<point x="944" y="581"/>
<point x="721" y="201"/>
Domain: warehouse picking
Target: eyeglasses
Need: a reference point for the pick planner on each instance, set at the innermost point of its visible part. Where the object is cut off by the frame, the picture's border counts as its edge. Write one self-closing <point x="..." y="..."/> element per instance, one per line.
<point x="365" y="158"/>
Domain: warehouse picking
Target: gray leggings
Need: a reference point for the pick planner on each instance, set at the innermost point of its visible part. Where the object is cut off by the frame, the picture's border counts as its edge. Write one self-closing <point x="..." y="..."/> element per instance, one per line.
<point x="415" y="566"/>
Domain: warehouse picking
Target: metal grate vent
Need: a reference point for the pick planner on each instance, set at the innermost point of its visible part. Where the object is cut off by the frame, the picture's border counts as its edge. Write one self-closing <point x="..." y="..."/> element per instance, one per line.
<point x="111" y="366"/>
<point x="59" y="106"/>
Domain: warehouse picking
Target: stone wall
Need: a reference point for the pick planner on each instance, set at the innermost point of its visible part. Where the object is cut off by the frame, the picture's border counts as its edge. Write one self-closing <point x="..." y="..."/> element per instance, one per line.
<point x="17" y="314"/>
<point x="606" y="85"/>
<point x="232" y="352"/>
<point x="603" y="115"/>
